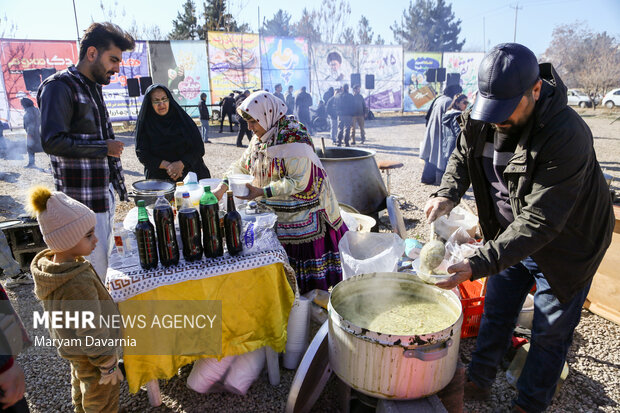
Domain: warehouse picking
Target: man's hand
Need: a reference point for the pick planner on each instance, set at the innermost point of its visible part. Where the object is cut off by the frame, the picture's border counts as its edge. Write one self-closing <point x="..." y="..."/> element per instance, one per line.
<point x="115" y="148"/>
<point x="255" y="192"/>
<point x="438" y="206"/>
<point x="13" y="386"/>
<point x="462" y="272"/>
<point x="175" y="170"/>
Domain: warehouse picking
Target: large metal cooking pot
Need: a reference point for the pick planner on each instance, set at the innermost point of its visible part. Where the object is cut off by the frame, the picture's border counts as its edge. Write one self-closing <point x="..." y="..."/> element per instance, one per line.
<point x="355" y="177"/>
<point x="147" y="190"/>
<point x="391" y="366"/>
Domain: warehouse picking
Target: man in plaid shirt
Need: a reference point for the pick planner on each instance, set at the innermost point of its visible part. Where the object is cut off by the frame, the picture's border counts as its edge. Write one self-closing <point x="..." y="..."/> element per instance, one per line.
<point x="77" y="134"/>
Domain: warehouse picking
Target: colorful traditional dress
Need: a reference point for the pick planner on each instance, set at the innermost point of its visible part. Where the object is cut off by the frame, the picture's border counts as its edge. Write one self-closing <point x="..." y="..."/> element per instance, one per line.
<point x="295" y="184"/>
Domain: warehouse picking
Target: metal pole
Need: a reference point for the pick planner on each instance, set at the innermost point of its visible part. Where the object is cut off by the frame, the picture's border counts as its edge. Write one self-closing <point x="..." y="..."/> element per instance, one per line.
<point x="484" y="40"/>
<point x="516" y="11"/>
<point x="77" y="30"/>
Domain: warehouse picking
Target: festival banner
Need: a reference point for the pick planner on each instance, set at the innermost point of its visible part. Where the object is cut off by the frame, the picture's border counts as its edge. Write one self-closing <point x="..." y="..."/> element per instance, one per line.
<point x="418" y="94"/>
<point x="120" y="106"/>
<point x="284" y="60"/>
<point x="386" y="64"/>
<point x="234" y="63"/>
<point x="182" y="66"/>
<point x="465" y="64"/>
<point x="25" y="64"/>
<point x="331" y="66"/>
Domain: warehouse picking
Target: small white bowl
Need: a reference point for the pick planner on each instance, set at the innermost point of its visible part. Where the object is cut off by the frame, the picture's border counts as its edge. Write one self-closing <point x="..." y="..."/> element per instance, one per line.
<point x="237" y="184"/>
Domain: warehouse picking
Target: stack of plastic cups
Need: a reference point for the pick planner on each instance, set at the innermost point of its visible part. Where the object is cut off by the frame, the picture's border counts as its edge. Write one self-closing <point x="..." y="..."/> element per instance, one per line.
<point x="298" y="332"/>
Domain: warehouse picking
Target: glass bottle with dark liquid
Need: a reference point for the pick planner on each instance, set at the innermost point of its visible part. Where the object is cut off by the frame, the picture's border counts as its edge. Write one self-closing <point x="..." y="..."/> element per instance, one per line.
<point x="189" y="224"/>
<point x="145" y="235"/>
<point x="166" y="232"/>
<point x="211" y="232"/>
<point x="232" y="227"/>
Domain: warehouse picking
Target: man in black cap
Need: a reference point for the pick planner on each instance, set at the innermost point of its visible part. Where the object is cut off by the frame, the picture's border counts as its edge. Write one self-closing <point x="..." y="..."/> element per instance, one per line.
<point x="545" y="212"/>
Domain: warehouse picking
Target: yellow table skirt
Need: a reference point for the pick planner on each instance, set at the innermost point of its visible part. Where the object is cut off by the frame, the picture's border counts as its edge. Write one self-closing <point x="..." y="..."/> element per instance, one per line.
<point x="255" y="308"/>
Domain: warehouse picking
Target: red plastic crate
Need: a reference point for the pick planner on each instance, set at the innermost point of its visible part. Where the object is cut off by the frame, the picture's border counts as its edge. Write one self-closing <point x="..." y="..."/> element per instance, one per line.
<point x="473" y="306"/>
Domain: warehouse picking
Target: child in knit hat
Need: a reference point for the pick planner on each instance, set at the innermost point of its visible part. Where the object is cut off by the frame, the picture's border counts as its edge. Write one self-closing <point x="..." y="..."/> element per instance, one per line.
<point x="61" y="276"/>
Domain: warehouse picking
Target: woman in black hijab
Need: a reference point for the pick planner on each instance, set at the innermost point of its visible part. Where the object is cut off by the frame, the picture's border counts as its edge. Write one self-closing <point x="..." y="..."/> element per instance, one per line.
<point x="168" y="142"/>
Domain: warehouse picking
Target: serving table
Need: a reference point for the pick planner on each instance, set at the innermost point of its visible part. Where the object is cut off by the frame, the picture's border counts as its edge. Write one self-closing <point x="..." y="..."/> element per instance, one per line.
<point x="256" y="290"/>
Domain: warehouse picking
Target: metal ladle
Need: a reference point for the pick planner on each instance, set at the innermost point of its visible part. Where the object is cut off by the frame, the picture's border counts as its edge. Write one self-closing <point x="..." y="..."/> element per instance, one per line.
<point x="432" y="253"/>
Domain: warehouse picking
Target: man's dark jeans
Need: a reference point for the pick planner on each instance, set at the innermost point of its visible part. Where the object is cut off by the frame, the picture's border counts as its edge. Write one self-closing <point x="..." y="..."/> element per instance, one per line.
<point x="552" y="333"/>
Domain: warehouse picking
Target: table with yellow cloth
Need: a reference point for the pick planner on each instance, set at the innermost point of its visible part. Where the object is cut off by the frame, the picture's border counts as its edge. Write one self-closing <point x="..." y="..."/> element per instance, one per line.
<point x="255" y="305"/>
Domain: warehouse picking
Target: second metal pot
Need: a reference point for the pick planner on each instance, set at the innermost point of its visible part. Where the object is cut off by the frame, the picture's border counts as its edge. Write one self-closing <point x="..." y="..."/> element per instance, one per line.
<point x="147" y="190"/>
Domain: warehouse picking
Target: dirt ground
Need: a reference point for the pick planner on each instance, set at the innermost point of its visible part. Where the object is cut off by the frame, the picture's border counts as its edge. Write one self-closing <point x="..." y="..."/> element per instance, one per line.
<point x="594" y="359"/>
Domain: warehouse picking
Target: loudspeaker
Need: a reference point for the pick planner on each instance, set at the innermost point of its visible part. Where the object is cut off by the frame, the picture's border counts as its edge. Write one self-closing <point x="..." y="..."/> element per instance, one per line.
<point x="133" y="87"/>
<point x="356" y="79"/>
<point x="453" y="79"/>
<point x="145" y="82"/>
<point x="32" y="79"/>
<point x="431" y="75"/>
<point x="441" y="74"/>
<point x="370" y="82"/>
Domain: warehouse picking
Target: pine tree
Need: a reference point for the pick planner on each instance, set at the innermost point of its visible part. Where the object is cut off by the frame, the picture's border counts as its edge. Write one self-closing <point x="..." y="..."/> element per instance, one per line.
<point x="217" y="18"/>
<point x="278" y="25"/>
<point x="428" y="25"/>
<point x="306" y="26"/>
<point x="364" y="31"/>
<point x="185" y="26"/>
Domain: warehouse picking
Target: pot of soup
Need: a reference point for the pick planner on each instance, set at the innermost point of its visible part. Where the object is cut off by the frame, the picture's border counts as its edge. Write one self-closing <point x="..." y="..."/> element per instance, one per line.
<point x="392" y="336"/>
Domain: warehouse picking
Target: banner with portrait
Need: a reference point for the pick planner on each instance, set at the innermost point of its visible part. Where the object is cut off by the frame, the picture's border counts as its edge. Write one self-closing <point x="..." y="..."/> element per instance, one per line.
<point x="386" y="64"/>
<point x="418" y="93"/>
<point x="466" y="65"/>
<point x="331" y="65"/>
<point x="135" y="64"/>
<point x="234" y="63"/>
<point x="182" y="66"/>
<point x="284" y="60"/>
<point x="25" y="64"/>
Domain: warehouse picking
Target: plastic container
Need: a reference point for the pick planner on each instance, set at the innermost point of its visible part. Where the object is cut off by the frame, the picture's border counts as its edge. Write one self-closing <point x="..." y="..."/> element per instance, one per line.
<point x="178" y="196"/>
<point x="195" y="193"/>
<point x="237" y="184"/>
<point x="473" y="307"/>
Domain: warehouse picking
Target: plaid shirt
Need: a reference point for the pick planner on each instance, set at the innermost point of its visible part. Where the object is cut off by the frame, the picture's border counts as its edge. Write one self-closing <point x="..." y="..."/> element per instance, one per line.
<point x="85" y="179"/>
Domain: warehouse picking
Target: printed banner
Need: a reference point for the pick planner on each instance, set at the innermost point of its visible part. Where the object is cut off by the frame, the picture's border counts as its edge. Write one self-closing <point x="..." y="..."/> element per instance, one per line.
<point x="181" y="65"/>
<point x="284" y="60"/>
<point x="331" y="66"/>
<point x="234" y="63"/>
<point x="25" y="64"/>
<point x="465" y="64"/>
<point x="386" y="64"/>
<point x="116" y="96"/>
<point x="418" y="94"/>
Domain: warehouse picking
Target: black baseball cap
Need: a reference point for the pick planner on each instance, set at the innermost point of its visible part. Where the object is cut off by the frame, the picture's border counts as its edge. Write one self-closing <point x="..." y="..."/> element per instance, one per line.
<point x="505" y="74"/>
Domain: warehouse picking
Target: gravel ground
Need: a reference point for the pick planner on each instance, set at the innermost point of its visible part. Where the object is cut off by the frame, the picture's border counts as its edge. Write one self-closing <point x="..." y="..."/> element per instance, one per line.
<point x="593" y="384"/>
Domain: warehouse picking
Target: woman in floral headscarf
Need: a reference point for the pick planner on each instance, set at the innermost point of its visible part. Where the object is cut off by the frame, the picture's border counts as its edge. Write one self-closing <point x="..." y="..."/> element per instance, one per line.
<point x="289" y="177"/>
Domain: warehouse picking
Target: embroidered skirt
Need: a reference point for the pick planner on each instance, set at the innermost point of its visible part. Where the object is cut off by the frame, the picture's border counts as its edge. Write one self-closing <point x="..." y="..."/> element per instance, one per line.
<point x="317" y="262"/>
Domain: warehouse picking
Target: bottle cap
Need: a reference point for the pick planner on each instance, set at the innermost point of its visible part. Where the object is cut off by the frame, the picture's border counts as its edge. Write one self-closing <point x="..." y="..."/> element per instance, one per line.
<point x="185" y="194"/>
<point x="180" y="183"/>
<point x="207" y="188"/>
<point x="141" y="203"/>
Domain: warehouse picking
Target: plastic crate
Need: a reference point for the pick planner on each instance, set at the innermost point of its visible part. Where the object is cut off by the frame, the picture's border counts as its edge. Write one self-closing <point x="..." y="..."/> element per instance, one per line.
<point x="473" y="306"/>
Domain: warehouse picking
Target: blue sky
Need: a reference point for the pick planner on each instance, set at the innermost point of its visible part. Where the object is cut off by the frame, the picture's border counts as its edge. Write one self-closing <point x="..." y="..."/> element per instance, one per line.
<point x="44" y="19"/>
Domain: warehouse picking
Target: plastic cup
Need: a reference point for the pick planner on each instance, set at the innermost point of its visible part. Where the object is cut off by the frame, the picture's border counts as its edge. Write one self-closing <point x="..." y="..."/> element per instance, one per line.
<point x="237" y="184"/>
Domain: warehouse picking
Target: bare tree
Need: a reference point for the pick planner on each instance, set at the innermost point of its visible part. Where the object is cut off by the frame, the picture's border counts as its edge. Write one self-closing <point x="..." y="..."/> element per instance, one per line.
<point x="7" y="28"/>
<point x="348" y="36"/>
<point x="583" y="59"/>
<point x="332" y="19"/>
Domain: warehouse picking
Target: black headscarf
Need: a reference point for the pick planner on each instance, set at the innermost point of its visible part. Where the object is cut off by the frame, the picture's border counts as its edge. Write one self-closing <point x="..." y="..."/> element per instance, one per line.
<point x="171" y="137"/>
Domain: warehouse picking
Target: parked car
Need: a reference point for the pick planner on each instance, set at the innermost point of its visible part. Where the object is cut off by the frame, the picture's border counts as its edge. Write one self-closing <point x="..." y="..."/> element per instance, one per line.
<point x="578" y="98"/>
<point x="612" y="98"/>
